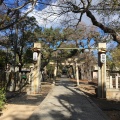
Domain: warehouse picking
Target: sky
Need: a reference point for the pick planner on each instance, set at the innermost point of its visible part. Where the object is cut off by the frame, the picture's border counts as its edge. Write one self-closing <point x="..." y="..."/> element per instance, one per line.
<point x="42" y="14"/>
<point x="45" y="19"/>
<point x="53" y="20"/>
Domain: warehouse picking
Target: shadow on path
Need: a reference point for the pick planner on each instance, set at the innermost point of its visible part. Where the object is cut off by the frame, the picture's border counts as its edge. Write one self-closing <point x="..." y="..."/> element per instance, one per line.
<point x="66" y="102"/>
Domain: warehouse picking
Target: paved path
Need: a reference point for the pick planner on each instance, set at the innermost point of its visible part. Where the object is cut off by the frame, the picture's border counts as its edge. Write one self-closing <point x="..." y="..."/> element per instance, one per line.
<point x="66" y="102"/>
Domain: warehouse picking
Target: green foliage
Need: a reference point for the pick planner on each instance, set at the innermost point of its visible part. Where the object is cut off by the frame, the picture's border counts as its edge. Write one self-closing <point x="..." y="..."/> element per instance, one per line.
<point x="51" y="38"/>
<point x="116" y="56"/>
<point x="2" y="98"/>
<point x="50" y="68"/>
<point x="2" y="58"/>
<point x="66" y="53"/>
<point x="28" y="56"/>
<point x="113" y="59"/>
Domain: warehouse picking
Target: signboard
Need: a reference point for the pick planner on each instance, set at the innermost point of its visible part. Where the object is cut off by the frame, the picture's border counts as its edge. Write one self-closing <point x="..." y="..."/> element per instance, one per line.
<point x="103" y="58"/>
<point x="35" y="56"/>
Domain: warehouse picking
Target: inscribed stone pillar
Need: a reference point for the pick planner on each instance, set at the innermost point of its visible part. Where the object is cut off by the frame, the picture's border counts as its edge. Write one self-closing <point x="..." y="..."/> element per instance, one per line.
<point x="101" y="71"/>
<point x="36" y="78"/>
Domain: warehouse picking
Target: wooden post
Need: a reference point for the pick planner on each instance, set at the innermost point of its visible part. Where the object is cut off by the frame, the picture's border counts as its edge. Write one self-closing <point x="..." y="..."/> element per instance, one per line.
<point x="101" y="71"/>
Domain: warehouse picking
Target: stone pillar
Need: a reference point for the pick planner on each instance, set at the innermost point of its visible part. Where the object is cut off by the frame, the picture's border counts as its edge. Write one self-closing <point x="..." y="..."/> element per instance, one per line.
<point x="55" y="74"/>
<point x="77" y="75"/>
<point x="101" y="92"/>
<point x="36" y="76"/>
<point x="74" y="70"/>
<point x="111" y="82"/>
<point x="116" y="82"/>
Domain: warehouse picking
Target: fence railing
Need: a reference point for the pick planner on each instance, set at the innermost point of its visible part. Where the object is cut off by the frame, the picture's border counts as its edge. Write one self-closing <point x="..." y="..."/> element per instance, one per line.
<point x="114" y="83"/>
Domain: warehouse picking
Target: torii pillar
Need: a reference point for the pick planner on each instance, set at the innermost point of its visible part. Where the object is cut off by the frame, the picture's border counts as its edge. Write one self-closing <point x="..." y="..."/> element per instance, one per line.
<point x="77" y="74"/>
<point x="55" y="74"/>
<point x="36" y="77"/>
<point x="101" y="91"/>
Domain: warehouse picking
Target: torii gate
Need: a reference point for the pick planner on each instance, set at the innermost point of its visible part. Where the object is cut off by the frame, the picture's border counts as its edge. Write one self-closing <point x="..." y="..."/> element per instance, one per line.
<point x="101" y="91"/>
<point x="67" y="63"/>
<point x="101" y="69"/>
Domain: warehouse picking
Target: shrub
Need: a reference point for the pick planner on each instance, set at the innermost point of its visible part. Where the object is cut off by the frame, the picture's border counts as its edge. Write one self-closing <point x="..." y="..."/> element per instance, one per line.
<point x="2" y="98"/>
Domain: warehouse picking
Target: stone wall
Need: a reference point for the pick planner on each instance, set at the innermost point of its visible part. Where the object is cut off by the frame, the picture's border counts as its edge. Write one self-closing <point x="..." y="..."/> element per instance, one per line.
<point x="113" y="94"/>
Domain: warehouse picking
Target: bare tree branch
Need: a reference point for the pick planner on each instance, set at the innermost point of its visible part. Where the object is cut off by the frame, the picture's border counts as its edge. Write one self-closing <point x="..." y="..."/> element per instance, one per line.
<point x="5" y="23"/>
<point x="100" y="25"/>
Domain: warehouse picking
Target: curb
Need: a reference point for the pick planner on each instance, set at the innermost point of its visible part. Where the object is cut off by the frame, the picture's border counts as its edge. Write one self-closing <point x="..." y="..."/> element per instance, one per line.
<point x="41" y="104"/>
<point x="96" y="107"/>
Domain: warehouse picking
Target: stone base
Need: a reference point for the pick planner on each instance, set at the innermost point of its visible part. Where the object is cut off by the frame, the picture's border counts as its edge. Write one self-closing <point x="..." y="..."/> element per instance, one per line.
<point x="113" y="94"/>
<point x="28" y="90"/>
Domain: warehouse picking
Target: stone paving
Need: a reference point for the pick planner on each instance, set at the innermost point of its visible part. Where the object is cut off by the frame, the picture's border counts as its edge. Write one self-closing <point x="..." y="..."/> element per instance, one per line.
<point x="67" y="102"/>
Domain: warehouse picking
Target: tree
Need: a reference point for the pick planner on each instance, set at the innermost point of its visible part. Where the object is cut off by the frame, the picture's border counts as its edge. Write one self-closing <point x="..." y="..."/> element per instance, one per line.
<point x="58" y="45"/>
<point x="82" y="7"/>
<point x="115" y="56"/>
<point x="2" y="59"/>
<point x="54" y="39"/>
<point x="26" y="37"/>
<point x="10" y="10"/>
<point x="19" y="42"/>
<point x="51" y="39"/>
<point x="28" y="56"/>
<point x="108" y="9"/>
<point x="4" y="52"/>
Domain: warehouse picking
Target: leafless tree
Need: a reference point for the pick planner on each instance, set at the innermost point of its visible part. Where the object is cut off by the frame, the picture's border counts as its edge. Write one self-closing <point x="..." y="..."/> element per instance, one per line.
<point x="72" y="12"/>
<point x="10" y="10"/>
